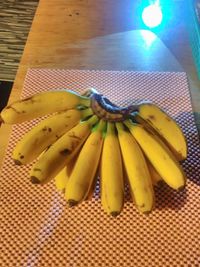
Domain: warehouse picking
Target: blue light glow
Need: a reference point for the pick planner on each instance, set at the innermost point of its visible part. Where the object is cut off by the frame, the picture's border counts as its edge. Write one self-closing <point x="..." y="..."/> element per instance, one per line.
<point x="148" y="37"/>
<point x="152" y="16"/>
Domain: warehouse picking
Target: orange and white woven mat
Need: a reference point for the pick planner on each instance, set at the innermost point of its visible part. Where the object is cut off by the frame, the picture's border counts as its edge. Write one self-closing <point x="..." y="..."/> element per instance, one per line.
<point x="37" y="229"/>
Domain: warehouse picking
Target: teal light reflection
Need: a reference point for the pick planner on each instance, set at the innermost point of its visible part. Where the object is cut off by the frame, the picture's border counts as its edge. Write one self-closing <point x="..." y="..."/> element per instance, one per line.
<point x="148" y="37"/>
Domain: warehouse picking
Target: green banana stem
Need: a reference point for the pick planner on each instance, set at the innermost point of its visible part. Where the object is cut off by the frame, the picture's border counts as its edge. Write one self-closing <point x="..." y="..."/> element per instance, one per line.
<point x="110" y="128"/>
<point x="101" y="126"/>
<point x="92" y="121"/>
<point x="120" y="126"/>
<point x="86" y="113"/>
<point x="129" y="124"/>
<point x="85" y="101"/>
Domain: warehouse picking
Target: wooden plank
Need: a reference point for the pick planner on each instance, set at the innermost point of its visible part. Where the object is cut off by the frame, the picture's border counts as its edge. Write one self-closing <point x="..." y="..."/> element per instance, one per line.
<point x="15" y="21"/>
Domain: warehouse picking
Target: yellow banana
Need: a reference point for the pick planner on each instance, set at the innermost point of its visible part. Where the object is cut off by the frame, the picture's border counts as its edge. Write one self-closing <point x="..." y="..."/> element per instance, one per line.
<point x="42" y="104"/>
<point x="62" y="177"/>
<point x="166" y="127"/>
<point x="46" y="133"/>
<point x="104" y="202"/>
<point x="159" y="155"/>
<point x="61" y="152"/>
<point x="112" y="188"/>
<point x="155" y="177"/>
<point x="137" y="170"/>
<point x="83" y="174"/>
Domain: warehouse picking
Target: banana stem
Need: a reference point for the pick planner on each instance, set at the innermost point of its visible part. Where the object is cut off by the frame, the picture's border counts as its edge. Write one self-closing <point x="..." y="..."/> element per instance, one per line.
<point x="110" y="128"/>
<point x="128" y="124"/>
<point x="84" y="101"/>
<point x="101" y="126"/>
<point x="120" y="126"/>
<point x="86" y="113"/>
<point x="93" y="120"/>
<point x="89" y="91"/>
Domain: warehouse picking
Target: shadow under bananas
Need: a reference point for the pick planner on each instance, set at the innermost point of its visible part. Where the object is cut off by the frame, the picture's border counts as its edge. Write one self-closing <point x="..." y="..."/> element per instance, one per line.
<point x="191" y="164"/>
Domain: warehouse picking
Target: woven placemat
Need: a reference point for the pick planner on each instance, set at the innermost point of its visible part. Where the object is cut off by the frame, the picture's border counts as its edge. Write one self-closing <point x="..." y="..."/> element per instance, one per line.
<point x="38" y="229"/>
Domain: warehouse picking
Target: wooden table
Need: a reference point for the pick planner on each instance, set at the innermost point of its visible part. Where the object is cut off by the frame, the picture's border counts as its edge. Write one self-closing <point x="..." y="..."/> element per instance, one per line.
<point x="89" y="35"/>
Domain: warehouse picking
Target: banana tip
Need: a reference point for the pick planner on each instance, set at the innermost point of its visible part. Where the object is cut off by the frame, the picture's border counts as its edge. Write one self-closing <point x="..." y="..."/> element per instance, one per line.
<point x="35" y="180"/>
<point x="147" y="212"/>
<point x="115" y="213"/>
<point x="72" y="203"/>
<point x="17" y="162"/>
<point x="181" y="188"/>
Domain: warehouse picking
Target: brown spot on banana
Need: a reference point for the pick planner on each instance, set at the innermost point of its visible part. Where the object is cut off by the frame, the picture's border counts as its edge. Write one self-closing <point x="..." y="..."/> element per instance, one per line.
<point x="167" y="118"/>
<point x="14" y="109"/>
<point x="44" y="129"/>
<point x="152" y="117"/>
<point x="74" y="136"/>
<point x="65" y="152"/>
<point x="27" y="99"/>
<point x="37" y="170"/>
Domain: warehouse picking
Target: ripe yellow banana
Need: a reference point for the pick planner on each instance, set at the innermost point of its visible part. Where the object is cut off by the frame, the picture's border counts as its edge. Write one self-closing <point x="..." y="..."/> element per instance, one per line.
<point x="137" y="170"/>
<point x="159" y="155"/>
<point x="155" y="177"/>
<point x="62" y="177"/>
<point x="42" y="104"/>
<point x="166" y="127"/>
<point x="61" y="152"/>
<point x="112" y="184"/>
<point x="45" y="134"/>
<point x="83" y="174"/>
<point x="104" y="202"/>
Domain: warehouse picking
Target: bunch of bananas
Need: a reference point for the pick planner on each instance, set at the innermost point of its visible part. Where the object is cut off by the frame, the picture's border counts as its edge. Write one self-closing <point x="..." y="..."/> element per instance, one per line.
<point x="88" y="136"/>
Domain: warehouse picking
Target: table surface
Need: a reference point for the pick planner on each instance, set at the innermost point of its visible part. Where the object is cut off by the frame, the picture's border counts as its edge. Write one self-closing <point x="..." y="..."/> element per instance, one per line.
<point x="86" y="35"/>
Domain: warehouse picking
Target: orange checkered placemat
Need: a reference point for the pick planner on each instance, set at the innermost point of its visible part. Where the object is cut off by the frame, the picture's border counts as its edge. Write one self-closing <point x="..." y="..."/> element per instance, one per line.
<point x="38" y="229"/>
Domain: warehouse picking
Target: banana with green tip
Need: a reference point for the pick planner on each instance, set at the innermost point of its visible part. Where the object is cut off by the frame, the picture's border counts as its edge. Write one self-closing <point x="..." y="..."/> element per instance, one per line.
<point x="42" y="104"/>
<point x="112" y="183"/>
<point x="159" y="155"/>
<point x="46" y="133"/>
<point x="137" y="171"/>
<point x="83" y="174"/>
<point x="61" y="152"/>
